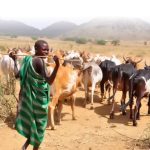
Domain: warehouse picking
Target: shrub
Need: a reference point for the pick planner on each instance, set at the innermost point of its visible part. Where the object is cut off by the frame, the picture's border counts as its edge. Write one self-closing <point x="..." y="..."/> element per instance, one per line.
<point x="2" y="48"/>
<point x="34" y="38"/>
<point x="70" y="39"/>
<point x="101" y="42"/>
<point x="13" y="36"/>
<point x="81" y="41"/>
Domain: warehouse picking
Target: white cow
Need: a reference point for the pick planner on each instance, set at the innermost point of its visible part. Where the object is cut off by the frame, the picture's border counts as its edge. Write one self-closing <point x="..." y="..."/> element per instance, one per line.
<point x="92" y="74"/>
<point x="7" y="68"/>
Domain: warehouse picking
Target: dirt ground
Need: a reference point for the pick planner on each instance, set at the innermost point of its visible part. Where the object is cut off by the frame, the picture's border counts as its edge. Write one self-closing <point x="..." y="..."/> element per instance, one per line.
<point x="93" y="130"/>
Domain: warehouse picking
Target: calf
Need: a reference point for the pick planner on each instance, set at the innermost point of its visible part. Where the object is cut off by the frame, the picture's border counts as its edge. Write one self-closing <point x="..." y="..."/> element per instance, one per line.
<point x="64" y="86"/>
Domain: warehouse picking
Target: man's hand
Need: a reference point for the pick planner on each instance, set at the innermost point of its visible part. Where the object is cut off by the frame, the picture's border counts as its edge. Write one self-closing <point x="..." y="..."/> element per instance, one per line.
<point x="56" y="59"/>
<point x="12" y="55"/>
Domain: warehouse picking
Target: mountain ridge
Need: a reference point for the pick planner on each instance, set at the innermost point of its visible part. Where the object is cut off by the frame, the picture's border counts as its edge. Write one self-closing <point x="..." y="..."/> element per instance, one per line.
<point x="98" y="28"/>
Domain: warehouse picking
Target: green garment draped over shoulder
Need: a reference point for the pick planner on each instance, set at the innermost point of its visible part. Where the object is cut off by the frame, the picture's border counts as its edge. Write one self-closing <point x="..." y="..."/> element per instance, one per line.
<point x="31" y="121"/>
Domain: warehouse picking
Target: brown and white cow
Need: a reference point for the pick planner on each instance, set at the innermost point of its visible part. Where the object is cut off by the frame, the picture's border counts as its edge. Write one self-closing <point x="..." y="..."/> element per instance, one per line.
<point x="64" y="86"/>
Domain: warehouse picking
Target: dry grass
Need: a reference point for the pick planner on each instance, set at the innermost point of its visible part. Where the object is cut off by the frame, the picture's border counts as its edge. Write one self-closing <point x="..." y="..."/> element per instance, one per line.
<point x="132" y="48"/>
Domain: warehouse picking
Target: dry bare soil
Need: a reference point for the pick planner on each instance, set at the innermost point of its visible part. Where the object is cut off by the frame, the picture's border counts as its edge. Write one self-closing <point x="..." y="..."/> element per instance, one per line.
<point x="93" y="130"/>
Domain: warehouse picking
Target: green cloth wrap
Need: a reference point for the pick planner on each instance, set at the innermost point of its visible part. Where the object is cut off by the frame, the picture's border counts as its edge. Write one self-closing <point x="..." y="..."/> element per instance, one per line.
<point x="32" y="118"/>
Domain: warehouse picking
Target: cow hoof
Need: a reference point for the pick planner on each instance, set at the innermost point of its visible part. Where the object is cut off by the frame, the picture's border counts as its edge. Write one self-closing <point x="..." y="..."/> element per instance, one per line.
<point x="111" y="116"/>
<point x="131" y="117"/>
<point x="84" y="105"/>
<point x="74" y="118"/>
<point x="124" y="113"/>
<point x="50" y="128"/>
<point x="53" y="128"/>
<point x="108" y="102"/>
<point x="134" y="123"/>
<point x="101" y="99"/>
<point x="91" y="107"/>
<point x="59" y="123"/>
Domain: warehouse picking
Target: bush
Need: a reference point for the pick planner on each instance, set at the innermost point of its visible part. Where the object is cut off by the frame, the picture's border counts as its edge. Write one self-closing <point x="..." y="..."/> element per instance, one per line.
<point x="2" y="48"/>
<point x="115" y="42"/>
<point x="81" y="41"/>
<point x="14" y="36"/>
<point x="34" y="38"/>
<point x="70" y="39"/>
<point x="101" y="42"/>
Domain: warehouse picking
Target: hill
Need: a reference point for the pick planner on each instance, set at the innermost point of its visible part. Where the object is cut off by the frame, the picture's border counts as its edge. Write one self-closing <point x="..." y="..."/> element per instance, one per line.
<point x="17" y="28"/>
<point x="58" y="28"/>
<point x="100" y="28"/>
<point x="111" y="28"/>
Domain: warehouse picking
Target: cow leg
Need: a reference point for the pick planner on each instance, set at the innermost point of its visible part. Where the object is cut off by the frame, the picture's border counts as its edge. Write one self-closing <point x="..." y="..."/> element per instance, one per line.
<point x="92" y="94"/>
<point x="72" y="107"/>
<point x="136" y="111"/>
<point x="113" y="101"/>
<point x="7" y="85"/>
<point x="51" y="113"/>
<point x="130" y="105"/>
<point x="86" y="93"/>
<point x="60" y="107"/>
<point x="124" y="92"/>
<point x="102" y="89"/>
<point x="108" y="88"/>
<point x="13" y="85"/>
<point x="131" y="87"/>
<point x="148" y="104"/>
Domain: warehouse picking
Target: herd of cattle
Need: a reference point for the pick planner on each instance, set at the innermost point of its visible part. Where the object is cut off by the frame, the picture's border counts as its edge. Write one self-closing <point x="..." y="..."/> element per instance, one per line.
<point x="83" y="69"/>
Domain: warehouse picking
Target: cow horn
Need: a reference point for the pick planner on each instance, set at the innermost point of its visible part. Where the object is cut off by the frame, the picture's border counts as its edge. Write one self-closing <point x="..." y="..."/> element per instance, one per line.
<point x="139" y="60"/>
<point x="146" y="64"/>
<point x="124" y="59"/>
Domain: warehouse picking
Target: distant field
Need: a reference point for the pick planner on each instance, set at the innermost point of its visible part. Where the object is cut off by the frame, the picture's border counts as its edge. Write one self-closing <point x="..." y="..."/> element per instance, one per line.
<point x="126" y="48"/>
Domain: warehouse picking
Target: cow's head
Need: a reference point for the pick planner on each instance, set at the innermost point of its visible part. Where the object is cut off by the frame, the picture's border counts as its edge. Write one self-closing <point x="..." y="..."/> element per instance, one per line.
<point x="132" y="61"/>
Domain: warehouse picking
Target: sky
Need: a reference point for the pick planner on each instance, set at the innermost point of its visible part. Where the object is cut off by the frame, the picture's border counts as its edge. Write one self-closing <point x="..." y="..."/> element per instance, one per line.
<point x="41" y="13"/>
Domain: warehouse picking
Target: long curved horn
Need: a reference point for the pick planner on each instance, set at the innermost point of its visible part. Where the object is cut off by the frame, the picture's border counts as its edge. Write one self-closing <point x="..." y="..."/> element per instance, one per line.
<point x="139" y="60"/>
<point x="124" y="59"/>
<point x="146" y="64"/>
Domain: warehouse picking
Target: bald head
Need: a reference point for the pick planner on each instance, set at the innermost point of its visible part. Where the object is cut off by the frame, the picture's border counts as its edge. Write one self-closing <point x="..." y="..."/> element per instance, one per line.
<point x="39" y="44"/>
<point x="40" y="47"/>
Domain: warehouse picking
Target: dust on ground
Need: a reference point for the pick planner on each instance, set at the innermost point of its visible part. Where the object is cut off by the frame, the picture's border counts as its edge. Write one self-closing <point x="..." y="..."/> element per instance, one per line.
<point x="93" y="130"/>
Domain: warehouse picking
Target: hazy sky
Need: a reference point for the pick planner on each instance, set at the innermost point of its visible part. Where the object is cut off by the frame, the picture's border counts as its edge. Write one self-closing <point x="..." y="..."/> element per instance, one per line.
<point x="40" y="13"/>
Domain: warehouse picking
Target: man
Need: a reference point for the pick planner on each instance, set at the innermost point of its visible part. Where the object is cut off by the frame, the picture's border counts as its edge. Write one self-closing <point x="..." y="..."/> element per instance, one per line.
<point x="34" y="95"/>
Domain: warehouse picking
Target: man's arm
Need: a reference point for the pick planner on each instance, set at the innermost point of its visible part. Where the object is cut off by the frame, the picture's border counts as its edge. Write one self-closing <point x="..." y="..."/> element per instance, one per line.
<point x="40" y="68"/>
